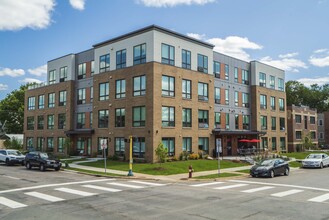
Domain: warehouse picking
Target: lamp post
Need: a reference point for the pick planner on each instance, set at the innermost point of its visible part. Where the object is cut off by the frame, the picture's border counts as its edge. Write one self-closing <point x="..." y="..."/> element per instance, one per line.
<point x="130" y="173"/>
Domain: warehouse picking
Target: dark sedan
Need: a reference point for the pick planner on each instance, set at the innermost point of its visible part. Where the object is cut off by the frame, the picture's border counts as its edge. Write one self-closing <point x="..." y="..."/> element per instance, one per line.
<point x="270" y="168"/>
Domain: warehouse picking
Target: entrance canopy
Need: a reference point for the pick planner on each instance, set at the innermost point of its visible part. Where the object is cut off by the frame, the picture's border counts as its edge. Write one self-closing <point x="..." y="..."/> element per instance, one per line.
<point x="80" y="131"/>
<point x="227" y="132"/>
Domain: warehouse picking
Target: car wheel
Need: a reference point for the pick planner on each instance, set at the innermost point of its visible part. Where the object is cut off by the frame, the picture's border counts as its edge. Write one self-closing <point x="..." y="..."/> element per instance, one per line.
<point x="28" y="165"/>
<point x="321" y="165"/>
<point x="7" y="162"/>
<point x="57" y="169"/>
<point x="272" y="174"/>
<point x="42" y="167"/>
<point x="23" y="163"/>
<point x="286" y="172"/>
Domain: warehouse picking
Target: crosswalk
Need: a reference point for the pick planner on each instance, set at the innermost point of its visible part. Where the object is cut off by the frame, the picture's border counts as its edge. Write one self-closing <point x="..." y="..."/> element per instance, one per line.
<point x="85" y="189"/>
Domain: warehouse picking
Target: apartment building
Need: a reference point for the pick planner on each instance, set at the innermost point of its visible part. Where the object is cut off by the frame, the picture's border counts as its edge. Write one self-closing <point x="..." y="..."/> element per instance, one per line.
<point x="302" y="122"/>
<point x="156" y="85"/>
<point x="323" y="129"/>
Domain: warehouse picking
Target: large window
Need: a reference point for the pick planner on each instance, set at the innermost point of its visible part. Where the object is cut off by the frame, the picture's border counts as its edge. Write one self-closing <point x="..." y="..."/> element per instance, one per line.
<point x="81" y="120"/>
<point x="282" y="124"/>
<point x="227" y="71"/>
<point x="186" y="89"/>
<point x="312" y="120"/>
<point x="273" y="105"/>
<point x="31" y="103"/>
<point x="139" y="86"/>
<point x="52" y="77"/>
<point x="140" y="54"/>
<point x="91" y="94"/>
<point x="204" y="144"/>
<point x="63" y="74"/>
<point x="120" y="88"/>
<point x="245" y="100"/>
<point x="246" y="122"/>
<point x="203" y="91"/>
<point x="298" y="118"/>
<point x="245" y="77"/>
<point x="41" y="122"/>
<point x="273" y="143"/>
<point x="139" y="147"/>
<point x="61" y="121"/>
<point x="203" y="118"/>
<point x="217" y="120"/>
<point x="186" y="59"/>
<point x="81" y="96"/>
<point x="263" y="101"/>
<point x="29" y="143"/>
<point x="120" y="115"/>
<point x="50" y="121"/>
<point x="187" y="144"/>
<point x="61" y="144"/>
<point x="283" y="144"/>
<point x="51" y="100"/>
<point x="119" y="146"/>
<point x="236" y="98"/>
<point x="298" y="135"/>
<point x="202" y="63"/>
<point x="41" y="101"/>
<point x="104" y="91"/>
<point x="263" y="122"/>
<point x="169" y="143"/>
<point x="139" y="116"/>
<point x="40" y="143"/>
<point x="104" y="63"/>
<point x="217" y="95"/>
<point x="273" y="123"/>
<point x="30" y="123"/>
<point x="187" y="117"/>
<point x="227" y="97"/>
<point x="272" y="82"/>
<point x="121" y="59"/>
<point x="262" y="79"/>
<point x="281" y="104"/>
<point x="216" y="69"/>
<point x="92" y="67"/>
<point x="103" y="118"/>
<point x="236" y="74"/>
<point x="168" y="86"/>
<point x="168" y="116"/>
<point x="50" y="144"/>
<point x="62" y="98"/>
<point x="168" y="54"/>
<point x="236" y="118"/>
<point x="82" y="71"/>
<point x="280" y="84"/>
<point x="227" y="121"/>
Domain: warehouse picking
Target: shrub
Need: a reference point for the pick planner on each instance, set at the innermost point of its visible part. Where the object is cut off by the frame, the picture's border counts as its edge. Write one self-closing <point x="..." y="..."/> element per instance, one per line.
<point x="184" y="155"/>
<point x="194" y="156"/>
<point x="161" y="153"/>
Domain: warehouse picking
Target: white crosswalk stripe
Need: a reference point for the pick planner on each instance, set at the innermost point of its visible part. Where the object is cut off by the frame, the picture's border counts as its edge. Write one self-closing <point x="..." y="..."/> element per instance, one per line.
<point x="147" y="183"/>
<point x="321" y="198"/>
<point x="231" y="186"/>
<point x="126" y="185"/>
<point x="44" y="196"/>
<point x="257" y="189"/>
<point x="102" y="188"/>
<point x="207" y="184"/>
<point x="10" y="203"/>
<point x="287" y="193"/>
<point x="74" y="191"/>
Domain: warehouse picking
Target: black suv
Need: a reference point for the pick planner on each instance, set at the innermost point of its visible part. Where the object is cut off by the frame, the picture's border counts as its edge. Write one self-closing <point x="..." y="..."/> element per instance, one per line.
<point x="41" y="160"/>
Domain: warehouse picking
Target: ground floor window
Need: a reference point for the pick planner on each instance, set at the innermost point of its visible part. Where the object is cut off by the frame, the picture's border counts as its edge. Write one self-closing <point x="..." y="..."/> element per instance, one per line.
<point x="120" y="146"/>
<point x="273" y="143"/>
<point x="61" y="143"/>
<point x="169" y="143"/>
<point x="29" y="143"/>
<point x="50" y="144"/>
<point x="80" y="145"/>
<point x="283" y="144"/>
<point x="139" y="147"/>
<point x="187" y="144"/>
<point x="204" y="144"/>
<point x="40" y="143"/>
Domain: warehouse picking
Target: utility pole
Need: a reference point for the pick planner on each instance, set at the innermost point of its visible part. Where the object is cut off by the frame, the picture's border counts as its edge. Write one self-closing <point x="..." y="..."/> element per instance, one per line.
<point x="130" y="173"/>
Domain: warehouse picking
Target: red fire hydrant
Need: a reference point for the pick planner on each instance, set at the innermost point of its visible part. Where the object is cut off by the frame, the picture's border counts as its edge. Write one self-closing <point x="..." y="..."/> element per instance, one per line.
<point x="190" y="171"/>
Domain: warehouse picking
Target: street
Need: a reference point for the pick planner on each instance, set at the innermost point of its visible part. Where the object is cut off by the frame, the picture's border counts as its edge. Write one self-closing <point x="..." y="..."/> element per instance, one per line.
<point x="31" y="194"/>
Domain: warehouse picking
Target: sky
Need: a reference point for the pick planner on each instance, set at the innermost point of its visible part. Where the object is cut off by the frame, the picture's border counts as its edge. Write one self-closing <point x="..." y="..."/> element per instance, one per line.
<point x="289" y="34"/>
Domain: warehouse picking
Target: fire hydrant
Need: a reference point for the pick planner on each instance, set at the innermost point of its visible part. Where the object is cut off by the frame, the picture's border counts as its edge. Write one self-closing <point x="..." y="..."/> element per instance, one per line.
<point x="190" y="171"/>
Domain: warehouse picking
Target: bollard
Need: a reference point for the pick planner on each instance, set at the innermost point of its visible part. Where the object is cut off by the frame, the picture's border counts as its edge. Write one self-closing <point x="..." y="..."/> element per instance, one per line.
<point x="190" y="171"/>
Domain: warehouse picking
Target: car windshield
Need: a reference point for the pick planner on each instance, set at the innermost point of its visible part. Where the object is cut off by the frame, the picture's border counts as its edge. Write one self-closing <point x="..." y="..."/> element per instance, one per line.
<point x="44" y="155"/>
<point x="266" y="162"/>
<point x="14" y="152"/>
<point x="314" y="156"/>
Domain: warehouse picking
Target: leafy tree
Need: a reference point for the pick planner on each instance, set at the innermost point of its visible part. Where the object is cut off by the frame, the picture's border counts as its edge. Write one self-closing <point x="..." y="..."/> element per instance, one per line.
<point x="13" y="144"/>
<point x="307" y="141"/>
<point x="161" y="153"/>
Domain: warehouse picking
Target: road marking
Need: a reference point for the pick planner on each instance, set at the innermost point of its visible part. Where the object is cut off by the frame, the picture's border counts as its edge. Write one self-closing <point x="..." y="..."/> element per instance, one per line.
<point x="277" y="184"/>
<point x="102" y="188"/>
<point x="231" y="186"/>
<point x="77" y="192"/>
<point x="10" y="203"/>
<point x="320" y="198"/>
<point x="126" y="185"/>
<point x="52" y="185"/>
<point x="287" y="193"/>
<point x="11" y="177"/>
<point x="147" y="183"/>
<point x="44" y="196"/>
<point x="258" y="189"/>
<point x="207" y="184"/>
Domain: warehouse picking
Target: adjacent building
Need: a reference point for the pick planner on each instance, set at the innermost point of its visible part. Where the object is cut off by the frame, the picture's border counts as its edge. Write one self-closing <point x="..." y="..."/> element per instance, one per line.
<point x="323" y="129"/>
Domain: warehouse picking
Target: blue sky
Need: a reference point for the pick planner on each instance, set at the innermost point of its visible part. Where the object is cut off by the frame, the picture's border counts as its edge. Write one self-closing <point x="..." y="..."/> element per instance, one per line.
<point x="289" y="34"/>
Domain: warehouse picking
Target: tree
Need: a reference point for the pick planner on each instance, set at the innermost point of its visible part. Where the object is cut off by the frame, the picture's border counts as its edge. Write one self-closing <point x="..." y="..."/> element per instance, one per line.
<point x="161" y="153"/>
<point x="307" y="141"/>
<point x="13" y="144"/>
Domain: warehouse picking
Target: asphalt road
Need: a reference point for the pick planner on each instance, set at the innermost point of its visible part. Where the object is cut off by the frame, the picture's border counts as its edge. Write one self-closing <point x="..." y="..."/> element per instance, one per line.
<point x="31" y="194"/>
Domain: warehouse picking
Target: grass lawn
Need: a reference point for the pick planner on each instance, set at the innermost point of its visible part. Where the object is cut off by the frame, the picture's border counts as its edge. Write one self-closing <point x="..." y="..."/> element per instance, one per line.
<point x="244" y="171"/>
<point x="72" y="160"/>
<point x="300" y="155"/>
<point x="294" y="164"/>
<point x="93" y="172"/>
<point x="167" y="168"/>
<point x="214" y="176"/>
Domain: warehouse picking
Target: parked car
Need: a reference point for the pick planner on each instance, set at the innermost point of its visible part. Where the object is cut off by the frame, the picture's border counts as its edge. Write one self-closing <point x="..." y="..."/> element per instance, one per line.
<point x="41" y="160"/>
<point x="270" y="168"/>
<point x="10" y="156"/>
<point x="316" y="160"/>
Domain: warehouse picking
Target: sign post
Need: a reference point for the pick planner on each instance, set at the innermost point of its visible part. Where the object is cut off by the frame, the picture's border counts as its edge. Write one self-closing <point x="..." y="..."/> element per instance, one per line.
<point x="104" y="147"/>
<point x="130" y="173"/>
<point x="219" y="150"/>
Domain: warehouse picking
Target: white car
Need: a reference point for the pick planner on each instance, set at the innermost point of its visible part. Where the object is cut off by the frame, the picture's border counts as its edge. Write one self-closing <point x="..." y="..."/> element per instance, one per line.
<point x="316" y="160"/>
<point x="11" y="157"/>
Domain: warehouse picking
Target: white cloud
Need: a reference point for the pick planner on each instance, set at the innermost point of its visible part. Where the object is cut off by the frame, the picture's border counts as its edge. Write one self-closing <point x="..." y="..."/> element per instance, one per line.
<point x="78" y="4"/>
<point x="3" y="87"/>
<point x="172" y="3"/>
<point x="320" y="58"/>
<point x="286" y="64"/>
<point x="11" y="72"/>
<point x="323" y="50"/>
<point x="39" y="71"/>
<point x="30" y="80"/>
<point x="288" y="55"/>
<point x="197" y="36"/>
<point x="310" y="81"/>
<point x="16" y="15"/>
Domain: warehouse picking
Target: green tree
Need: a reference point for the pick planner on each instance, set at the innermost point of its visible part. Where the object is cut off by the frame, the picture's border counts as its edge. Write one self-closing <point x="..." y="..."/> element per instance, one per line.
<point x="13" y="144"/>
<point x="307" y="141"/>
<point x="161" y="153"/>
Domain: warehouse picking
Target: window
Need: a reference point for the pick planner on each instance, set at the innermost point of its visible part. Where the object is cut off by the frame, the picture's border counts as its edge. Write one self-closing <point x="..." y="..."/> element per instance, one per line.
<point x="245" y="100"/>
<point x="82" y="71"/>
<point x="29" y="143"/>
<point x="272" y="82"/>
<point x="236" y="74"/>
<point x="40" y="143"/>
<point x="104" y="63"/>
<point x="61" y="121"/>
<point x="61" y="144"/>
<point x="30" y="123"/>
<point x="63" y="74"/>
<point x="263" y="101"/>
<point x="41" y="101"/>
<point x="262" y="79"/>
<point x="227" y="72"/>
<point x="216" y="69"/>
<point x="236" y="98"/>
<point x="169" y="143"/>
<point x="186" y="59"/>
<point x="298" y="118"/>
<point x="31" y="103"/>
<point x="273" y="123"/>
<point x="92" y="67"/>
<point x="204" y="144"/>
<point x="273" y="106"/>
<point x="103" y="118"/>
<point x="139" y="86"/>
<point x="51" y="100"/>
<point x="202" y="91"/>
<point x="104" y="90"/>
<point x="120" y="114"/>
<point x="264" y="142"/>
<point x="139" y="147"/>
<point x="187" y="144"/>
<point x="91" y="94"/>
<point x="139" y="116"/>
<point x="217" y="95"/>
<point x="320" y="122"/>
<point x="81" y="96"/>
<point x="203" y="119"/>
<point x="52" y="77"/>
<point x="281" y="104"/>
<point x="227" y="121"/>
<point x="119" y="146"/>
<point x="81" y="120"/>
<point x="312" y="120"/>
<point x="273" y="143"/>
<point x="283" y="144"/>
<point x="168" y="54"/>
<point x="202" y="63"/>
<point x="121" y="59"/>
<point x="187" y="117"/>
<point x="51" y="121"/>
<point x="140" y="54"/>
<point x="120" y="88"/>
<point x="50" y="144"/>
<point x="186" y="89"/>
<point x="321" y="135"/>
<point x="246" y="122"/>
<point x="298" y="135"/>
<point x="227" y="97"/>
<point x="282" y="124"/>
<point x="305" y="121"/>
<point x="62" y="98"/>
<point x="313" y="135"/>
<point x="217" y="120"/>
<point x="168" y="86"/>
<point x="90" y="119"/>
<point x="280" y="84"/>
<point x="245" y="77"/>
<point x="168" y="116"/>
<point x="263" y="122"/>
<point x="41" y="122"/>
<point x="236" y="121"/>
